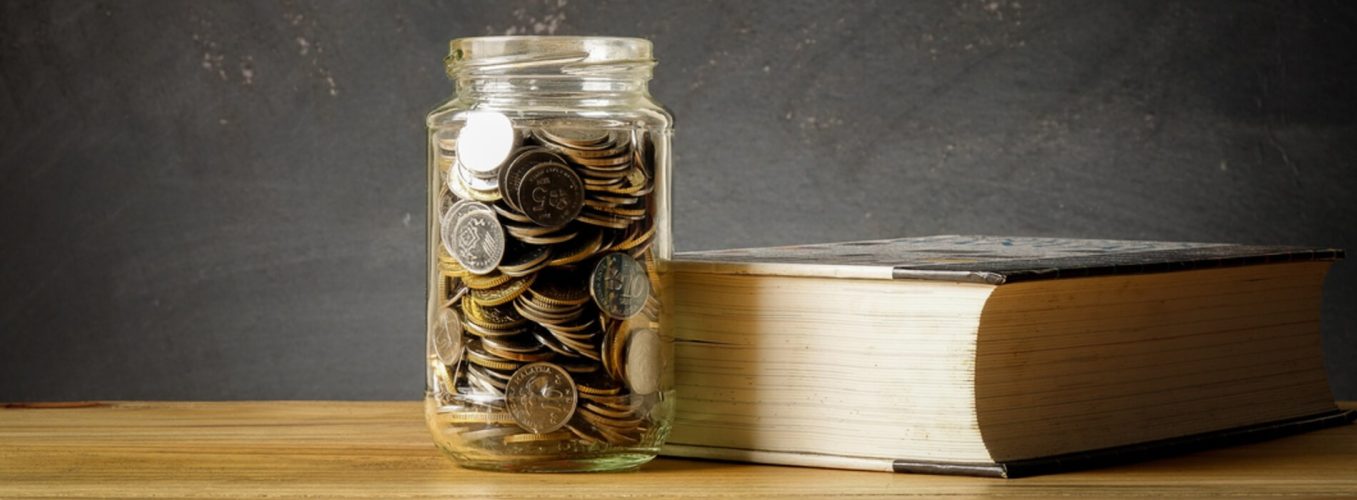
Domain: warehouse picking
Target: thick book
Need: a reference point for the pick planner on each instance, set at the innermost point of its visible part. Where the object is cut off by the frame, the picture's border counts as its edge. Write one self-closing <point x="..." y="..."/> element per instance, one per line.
<point x="994" y="356"/>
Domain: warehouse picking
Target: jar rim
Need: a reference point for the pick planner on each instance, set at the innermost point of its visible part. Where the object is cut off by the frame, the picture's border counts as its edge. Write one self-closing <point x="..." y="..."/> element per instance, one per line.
<point x="504" y="54"/>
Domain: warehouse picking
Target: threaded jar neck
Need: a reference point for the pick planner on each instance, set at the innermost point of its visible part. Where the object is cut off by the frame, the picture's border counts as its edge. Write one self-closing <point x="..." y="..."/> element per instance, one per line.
<point x="560" y="66"/>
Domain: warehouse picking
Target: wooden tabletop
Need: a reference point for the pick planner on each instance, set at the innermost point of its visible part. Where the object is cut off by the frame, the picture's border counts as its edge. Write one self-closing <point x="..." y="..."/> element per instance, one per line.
<point x="351" y="449"/>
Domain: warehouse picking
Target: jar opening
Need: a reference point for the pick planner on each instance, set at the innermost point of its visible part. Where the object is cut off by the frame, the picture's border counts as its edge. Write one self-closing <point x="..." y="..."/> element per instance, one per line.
<point x="549" y="55"/>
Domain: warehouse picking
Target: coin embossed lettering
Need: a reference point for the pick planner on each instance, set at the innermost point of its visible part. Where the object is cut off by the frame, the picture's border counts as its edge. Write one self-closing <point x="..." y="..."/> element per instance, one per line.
<point x="541" y="397"/>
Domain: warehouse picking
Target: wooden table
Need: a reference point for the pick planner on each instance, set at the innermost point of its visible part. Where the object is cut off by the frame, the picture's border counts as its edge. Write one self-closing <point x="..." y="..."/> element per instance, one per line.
<point x="350" y="449"/>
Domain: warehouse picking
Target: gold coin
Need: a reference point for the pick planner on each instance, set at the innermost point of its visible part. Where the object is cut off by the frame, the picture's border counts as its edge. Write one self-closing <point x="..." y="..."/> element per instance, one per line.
<point x="600" y="391"/>
<point x="603" y="221"/>
<point x="537" y="438"/>
<point x="617" y="438"/>
<point x="525" y="309"/>
<point x="643" y="238"/>
<point x="498" y="318"/>
<point x="613" y="172"/>
<point x="444" y="376"/>
<point x="621" y="402"/>
<point x="520" y="230"/>
<point x="448" y="265"/>
<point x="616" y="413"/>
<point x="615" y="199"/>
<point x="636" y="184"/>
<point x="561" y="287"/>
<point x="545" y="302"/>
<point x="505" y="292"/>
<point x="484" y="332"/>
<point x="476" y="417"/>
<point x="601" y="183"/>
<point x="582" y="349"/>
<point x="618" y="149"/>
<point x="618" y="210"/>
<point x="524" y="259"/>
<point x="601" y="161"/>
<point x="611" y="352"/>
<point x="555" y="312"/>
<point x="478" y="356"/>
<point x="601" y="422"/>
<point x="519" y="273"/>
<point x="583" y="430"/>
<point x="576" y="250"/>
<point x="582" y="329"/>
<point x="522" y="357"/>
<point x="509" y="213"/>
<point x="480" y="282"/>
<point x="535" y="237"/>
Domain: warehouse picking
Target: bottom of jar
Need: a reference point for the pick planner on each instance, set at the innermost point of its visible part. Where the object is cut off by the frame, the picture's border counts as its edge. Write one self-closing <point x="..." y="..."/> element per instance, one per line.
<point x="612" y="462"/>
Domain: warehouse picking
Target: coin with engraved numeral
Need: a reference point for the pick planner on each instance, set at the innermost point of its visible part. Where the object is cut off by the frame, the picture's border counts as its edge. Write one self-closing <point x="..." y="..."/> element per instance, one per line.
<point x="477" y="240"/>
<point x="511" y="176"/>
<point x="619" y="285"/>
<point x="551" y="194"/>
<point x="541" y="397"/>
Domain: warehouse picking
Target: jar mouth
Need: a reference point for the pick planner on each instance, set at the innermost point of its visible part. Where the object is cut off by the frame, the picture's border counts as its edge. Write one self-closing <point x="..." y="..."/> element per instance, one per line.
<point x="549" y="55"/>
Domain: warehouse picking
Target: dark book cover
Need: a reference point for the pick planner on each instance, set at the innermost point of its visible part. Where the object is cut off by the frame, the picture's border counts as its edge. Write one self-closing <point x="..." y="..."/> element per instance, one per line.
<point x="996" y="259"/>
<point x="1133" y="453"/>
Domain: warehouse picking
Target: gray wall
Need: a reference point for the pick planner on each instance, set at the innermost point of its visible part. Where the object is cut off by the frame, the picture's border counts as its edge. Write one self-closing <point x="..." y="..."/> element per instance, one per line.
<point x="212" y="200"/>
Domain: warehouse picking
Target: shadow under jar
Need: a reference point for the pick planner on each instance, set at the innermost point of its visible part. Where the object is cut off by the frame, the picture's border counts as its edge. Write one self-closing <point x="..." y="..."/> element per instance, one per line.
<point x="548" y="349"/>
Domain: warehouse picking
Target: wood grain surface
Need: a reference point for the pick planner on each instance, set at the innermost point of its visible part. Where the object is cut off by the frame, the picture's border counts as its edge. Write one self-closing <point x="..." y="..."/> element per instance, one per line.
<point x="381" y="449"/>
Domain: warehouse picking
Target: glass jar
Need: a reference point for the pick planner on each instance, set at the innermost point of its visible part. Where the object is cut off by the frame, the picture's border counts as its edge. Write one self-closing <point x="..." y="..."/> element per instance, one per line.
<point x="548" y="236"/>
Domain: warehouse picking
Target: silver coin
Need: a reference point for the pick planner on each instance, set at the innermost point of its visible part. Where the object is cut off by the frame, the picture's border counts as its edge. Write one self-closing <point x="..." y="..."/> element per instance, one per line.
<point x="485" y="141"/>
<point x="447" y="336"/>
<point x="642" y="367"/>
<point x="619" y="285"/>
<point x="477" y="240"/>
<point x="511" y="176"/>
<point x="551" y="194"/>
<point x="445" y="201"/>
<point x="476" y="182"/>
<point x="448" y="222"/>
<point x="541" y="397"/>
<point x="455" y="184"/>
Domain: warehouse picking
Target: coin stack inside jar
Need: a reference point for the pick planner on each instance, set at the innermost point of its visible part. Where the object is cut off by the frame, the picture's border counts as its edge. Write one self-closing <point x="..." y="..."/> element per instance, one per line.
<point x="545" y="339"/>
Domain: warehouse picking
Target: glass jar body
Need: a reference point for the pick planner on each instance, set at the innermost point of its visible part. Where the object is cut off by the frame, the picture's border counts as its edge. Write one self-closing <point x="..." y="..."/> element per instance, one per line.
<point x="548" y="346"/>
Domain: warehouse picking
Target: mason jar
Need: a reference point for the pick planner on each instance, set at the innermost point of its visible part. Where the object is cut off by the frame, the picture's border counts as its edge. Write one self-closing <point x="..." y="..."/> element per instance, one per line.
<point x="548" y="226"/>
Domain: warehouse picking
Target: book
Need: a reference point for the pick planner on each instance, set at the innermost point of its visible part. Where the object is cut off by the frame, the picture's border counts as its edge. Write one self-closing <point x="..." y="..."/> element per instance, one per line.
<point x="994" y="356"/>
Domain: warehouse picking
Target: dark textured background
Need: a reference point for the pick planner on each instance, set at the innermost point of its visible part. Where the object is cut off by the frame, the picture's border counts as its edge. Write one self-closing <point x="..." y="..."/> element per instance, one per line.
<point x="225" y="200"/>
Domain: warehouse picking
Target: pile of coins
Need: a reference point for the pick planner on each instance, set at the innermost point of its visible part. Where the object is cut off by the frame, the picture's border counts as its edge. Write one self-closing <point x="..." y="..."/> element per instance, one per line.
<point x="545" y="339"/>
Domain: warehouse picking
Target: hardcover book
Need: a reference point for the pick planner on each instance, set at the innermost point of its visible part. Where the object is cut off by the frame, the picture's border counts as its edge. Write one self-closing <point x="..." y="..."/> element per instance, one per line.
<point x="994" y="356"/>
